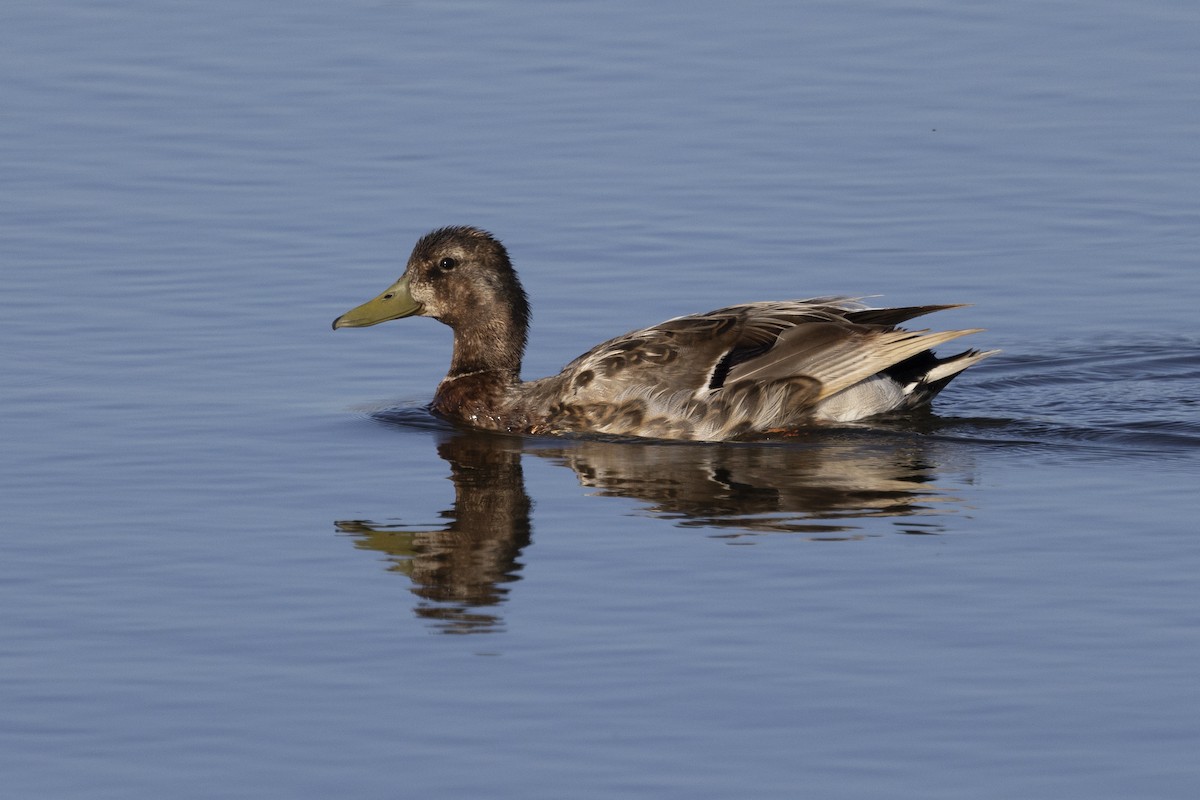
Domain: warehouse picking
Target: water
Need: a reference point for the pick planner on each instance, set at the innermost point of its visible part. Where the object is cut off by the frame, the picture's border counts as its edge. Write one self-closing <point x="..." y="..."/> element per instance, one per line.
<point x="240" y="559"/>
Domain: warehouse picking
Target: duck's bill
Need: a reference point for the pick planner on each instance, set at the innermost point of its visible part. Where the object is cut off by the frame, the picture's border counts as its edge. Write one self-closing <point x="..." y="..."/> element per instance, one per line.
<point x="396" y="302"/>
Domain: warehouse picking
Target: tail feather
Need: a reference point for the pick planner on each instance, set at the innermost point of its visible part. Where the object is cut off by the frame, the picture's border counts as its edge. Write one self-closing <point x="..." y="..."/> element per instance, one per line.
<point x="937" y="377"/>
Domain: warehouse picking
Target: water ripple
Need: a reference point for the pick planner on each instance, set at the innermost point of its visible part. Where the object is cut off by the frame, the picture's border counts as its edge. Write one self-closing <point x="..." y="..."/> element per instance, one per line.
<point x="1132" y="397"/>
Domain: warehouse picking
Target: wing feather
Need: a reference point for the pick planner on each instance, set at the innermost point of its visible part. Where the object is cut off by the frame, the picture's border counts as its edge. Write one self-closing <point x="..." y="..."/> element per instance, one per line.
<point x="834" y="340"/>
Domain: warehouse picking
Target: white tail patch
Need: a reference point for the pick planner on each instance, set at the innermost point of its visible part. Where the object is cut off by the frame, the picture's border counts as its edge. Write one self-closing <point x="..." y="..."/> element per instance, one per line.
<point x="957" y="365"/>
<point x="876" y="395"/>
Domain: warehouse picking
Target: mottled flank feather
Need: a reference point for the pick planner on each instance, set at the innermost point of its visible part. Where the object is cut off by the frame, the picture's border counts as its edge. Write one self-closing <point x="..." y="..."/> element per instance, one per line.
<point x="732" y="373"/>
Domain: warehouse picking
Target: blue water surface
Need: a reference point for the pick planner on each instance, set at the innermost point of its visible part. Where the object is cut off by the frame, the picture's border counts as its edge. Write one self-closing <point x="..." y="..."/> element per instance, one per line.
<point x="241" y="560"/>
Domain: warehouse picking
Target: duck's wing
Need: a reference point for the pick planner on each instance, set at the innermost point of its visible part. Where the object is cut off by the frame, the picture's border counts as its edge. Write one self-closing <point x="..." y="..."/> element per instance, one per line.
<point x="894" y="316"/>
<point x="837" y="356"/>
<point x="836" y="342"/>
<point x="695" y="353"/>
<point x="752" y="367"/>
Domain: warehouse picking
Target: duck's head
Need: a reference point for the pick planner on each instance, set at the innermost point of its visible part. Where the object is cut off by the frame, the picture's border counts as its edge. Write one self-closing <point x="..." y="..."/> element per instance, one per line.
<point x="461" y="276"/>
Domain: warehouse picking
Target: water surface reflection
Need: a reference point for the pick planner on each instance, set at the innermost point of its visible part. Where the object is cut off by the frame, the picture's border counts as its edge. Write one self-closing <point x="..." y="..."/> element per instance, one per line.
<point x="460" y="570"/>
<point x="827" y="485"/>
<point x="824" y="486"/>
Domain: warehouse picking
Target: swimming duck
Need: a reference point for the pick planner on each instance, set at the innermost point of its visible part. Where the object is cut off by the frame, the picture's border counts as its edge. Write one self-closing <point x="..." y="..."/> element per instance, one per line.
<point x="734" y="373"/>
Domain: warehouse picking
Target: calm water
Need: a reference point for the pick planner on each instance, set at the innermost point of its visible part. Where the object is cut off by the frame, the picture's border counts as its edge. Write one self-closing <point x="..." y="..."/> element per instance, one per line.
<point x="239" y="559"/>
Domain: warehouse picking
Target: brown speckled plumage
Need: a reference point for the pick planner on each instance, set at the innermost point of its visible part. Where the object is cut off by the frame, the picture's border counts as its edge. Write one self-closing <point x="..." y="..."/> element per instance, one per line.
<point x="730" y="373"/>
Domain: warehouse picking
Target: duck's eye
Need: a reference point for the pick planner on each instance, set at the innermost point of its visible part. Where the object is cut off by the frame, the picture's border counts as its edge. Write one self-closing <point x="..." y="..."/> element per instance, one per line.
<point x="448" y="263"/>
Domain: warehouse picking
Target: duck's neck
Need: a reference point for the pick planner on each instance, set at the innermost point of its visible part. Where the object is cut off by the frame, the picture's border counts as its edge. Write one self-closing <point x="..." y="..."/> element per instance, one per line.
<point x="492" y="346"/>
<point x="485" y="367"/>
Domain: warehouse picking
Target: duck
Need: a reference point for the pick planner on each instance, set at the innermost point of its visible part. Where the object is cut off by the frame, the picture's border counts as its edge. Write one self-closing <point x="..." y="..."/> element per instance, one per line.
<point x="740" y="372"/>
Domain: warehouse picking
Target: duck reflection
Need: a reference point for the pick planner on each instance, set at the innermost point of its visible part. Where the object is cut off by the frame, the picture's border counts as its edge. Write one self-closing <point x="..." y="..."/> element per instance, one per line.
<point x="827" y="485"/>
<point x="824" y="485"/>
<point x="461" y="569"/>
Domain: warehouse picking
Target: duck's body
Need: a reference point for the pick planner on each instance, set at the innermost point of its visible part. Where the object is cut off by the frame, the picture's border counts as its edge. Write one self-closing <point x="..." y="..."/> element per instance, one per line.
<point x="732" y="373"/>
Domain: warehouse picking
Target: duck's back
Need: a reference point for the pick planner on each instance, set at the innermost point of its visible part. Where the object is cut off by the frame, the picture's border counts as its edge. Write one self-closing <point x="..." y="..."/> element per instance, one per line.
<point x="747" y="369"/>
